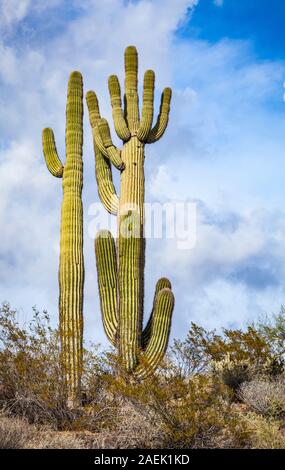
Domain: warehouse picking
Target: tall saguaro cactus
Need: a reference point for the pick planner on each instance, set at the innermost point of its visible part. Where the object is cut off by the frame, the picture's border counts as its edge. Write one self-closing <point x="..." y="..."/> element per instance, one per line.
<point x="71" y="266"/>
<point x="121" y="268"/>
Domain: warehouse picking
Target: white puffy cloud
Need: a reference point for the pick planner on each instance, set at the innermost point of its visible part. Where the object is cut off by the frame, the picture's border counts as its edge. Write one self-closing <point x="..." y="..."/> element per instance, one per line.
<point x="234" y="272"/>
<point x="13" y="11"/>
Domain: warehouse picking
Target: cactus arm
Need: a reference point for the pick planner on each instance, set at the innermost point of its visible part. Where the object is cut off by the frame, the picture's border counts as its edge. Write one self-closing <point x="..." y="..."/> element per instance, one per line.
<point x="106" y="189"/>
<point x="156" y="348"/>
<point x="120" y="124"/>
<point x="99" y="142"/>
<point x="131" y="89"/>
<point x="147" y="110"/>
<point x="52" y="159"/>
<point x="93" y="108"/>
<point x="162" y="283"/>
<point x="106" y="262"/>
<point x="103" y="139"/>
<point x="162" y="120"/>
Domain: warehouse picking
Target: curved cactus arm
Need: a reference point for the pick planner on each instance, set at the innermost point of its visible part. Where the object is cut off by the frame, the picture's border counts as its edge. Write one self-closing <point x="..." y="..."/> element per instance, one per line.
<point x="106" y="262"/>
<point x="147" y="110"/>
<point x="120" y="124"/>
<point x="106" y="189"/>
<point x="131" y="89"/>
<point x="102" y="135"/>
<point x="99" y="142"/>
<point x="52" y="159"/>
<point x="162" y="120"/>
<point x="156" y="348"/>
<point x="162" y="283"/>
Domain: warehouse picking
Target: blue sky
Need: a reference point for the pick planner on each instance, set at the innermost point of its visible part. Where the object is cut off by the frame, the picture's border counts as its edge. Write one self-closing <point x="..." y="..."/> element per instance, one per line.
<point x="260" y="21"/>
<point x="224" y="148"/>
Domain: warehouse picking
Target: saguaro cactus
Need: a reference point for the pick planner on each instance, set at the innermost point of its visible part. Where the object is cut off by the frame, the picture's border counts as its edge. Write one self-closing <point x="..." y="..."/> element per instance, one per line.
<point x="121" y="269"/>
<point x="71" y="266"/>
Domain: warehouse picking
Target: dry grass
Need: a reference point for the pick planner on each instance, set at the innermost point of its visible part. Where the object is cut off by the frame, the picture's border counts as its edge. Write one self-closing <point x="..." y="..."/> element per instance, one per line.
<point x="56" y="440"/>
<point x="134" y="428"/>
<point x="15" y="433"/>
<point x="131" y="429"/>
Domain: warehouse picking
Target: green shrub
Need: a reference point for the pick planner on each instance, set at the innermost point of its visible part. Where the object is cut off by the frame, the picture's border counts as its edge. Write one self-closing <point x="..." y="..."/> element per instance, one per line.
<point x="232" y="372"/>
<point x="263" y="433"/>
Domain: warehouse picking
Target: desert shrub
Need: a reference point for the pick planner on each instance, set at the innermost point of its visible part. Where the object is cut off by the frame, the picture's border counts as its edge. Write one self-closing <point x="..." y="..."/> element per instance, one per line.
<point x="15" y="433"/>
<point x="272" y="329"/>
<point x="30" y="369"/>
<point x="134" y="427"/>
<point x="202" y="348"/>
<point x="186" y="413"/>
<point x="235" y="355"/>
<point x="264" y="397"/>
<point x="30" y="357"/>
<point x="31" y="378"/>
<point x="262" y="433"/>
<point x="192" y="355"/>
<point x="247" y="430"/>
<point x="213" y="390"/>
<point x="232" y="372"/>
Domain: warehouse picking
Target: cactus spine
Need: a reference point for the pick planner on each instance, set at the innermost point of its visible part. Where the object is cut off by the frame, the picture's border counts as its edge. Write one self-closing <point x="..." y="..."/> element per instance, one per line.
<point x="121" y="269"/>
<point x="71" y="266"/>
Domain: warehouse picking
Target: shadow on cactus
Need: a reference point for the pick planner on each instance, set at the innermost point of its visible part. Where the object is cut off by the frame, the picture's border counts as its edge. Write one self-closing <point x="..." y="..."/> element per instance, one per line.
<point x="120" y="266"/>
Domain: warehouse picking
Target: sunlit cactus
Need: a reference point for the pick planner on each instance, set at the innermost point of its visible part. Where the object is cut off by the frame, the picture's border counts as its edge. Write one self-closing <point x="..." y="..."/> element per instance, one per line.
<point x="121" y="268"/>
<point x="71" y="266"/>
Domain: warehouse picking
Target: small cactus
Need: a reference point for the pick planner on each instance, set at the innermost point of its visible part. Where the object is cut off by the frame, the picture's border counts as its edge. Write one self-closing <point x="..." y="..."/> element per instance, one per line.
<point x="121" y="269"/>
<point x="71" y="266"/>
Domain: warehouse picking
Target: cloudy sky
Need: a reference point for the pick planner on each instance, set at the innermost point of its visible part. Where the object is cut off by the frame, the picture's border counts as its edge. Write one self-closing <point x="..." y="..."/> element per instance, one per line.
<point x="224" y="148"/>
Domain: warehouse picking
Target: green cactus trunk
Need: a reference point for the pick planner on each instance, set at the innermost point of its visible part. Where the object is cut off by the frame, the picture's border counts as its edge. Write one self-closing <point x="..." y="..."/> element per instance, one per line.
<point x="121" y="271"/>
<point x="71" y="266"/>
<point x="131" y="252"/>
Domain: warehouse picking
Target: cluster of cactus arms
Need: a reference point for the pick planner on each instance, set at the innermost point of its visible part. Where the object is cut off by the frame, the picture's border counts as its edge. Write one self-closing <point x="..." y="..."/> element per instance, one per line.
<point x="120" y="266"/>
<point x="71" y="267"/>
